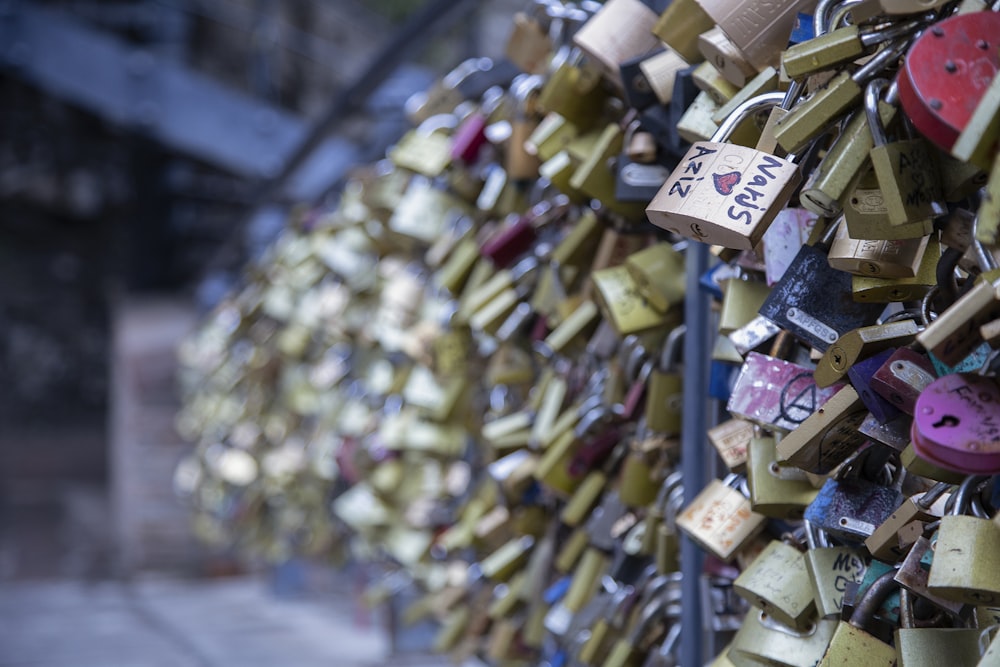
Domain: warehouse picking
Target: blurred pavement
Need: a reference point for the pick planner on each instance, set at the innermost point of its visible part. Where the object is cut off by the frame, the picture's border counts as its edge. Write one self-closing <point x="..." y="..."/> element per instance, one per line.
<point x="166" y="622"/>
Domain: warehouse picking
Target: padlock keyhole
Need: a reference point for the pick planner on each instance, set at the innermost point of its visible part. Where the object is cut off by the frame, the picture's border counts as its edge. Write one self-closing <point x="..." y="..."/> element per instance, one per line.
<point x="946" y="420"/>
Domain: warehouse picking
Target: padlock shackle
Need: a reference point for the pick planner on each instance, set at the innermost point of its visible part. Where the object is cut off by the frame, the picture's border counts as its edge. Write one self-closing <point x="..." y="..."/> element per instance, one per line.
<point x="931" y="496"/>
<point x="880" y="61"/>
<point x="873" y="91"/>
<point x="740" y="113"/>
<point x="873" y="598"/>
<point x="962" y="498"/>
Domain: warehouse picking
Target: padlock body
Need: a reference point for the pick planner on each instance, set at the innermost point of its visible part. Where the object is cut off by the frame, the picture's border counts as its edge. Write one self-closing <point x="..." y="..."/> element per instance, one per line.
<point x="724" y="194"/>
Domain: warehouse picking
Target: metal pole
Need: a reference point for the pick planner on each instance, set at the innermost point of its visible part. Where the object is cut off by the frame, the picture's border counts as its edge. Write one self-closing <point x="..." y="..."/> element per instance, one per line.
<point x="693" y="446"/>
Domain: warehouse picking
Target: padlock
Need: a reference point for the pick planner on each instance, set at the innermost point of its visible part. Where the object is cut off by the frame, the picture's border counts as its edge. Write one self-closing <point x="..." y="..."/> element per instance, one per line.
<point x="837" y="47"/>
<point x="906" y="171"/>
<point x="574" y="91"/>
<point x="964" y="568"/>
<point x="921" y="646"/>
<point x="528" y="45"/>
<point x="711" y="82"/>
<point x="619" y="31"/>
<point x="884" y="542"/>
<point x="884" y="290"/>
<point x="814" y="302"/>
<point x="955" y="333"/>
<point x="519" y="162"/>
<point x="638" y="180"/>
<point x="808" y="119"/>
<point x="759" y="30"/>
<point x="776" y="394"/>
<point x="867" y="215"/>
<point x="679" y="26"/>
<point x="947" y="71"/>
<point x="693" y="204"/>
<point x="658" y="272"/>
<point x="720" y="519"/>
<point x="731" y="440"/>
<point x="585" y="583"/>
<point x="594" y="178"/>
<point x="902" y="378"/>
<point x="830" y="570"/>
<point x="695" y="122"/>
<point x="426" y="149"/>
<point x="776" y="491"/>
<point x="764" y="82"/>
<point x="956" y="423"/>
<point x="664" y="401"/>
<point x="740" y="303"/>
<point x="777" y="583"/>
<point x="660" y="70"/>
<point x="622" y="304"/>
<point x="897" y="258"/>
<point x="832" y="180"/>
<point x="851" y="644"/>
<point x="725" y="57"/>
<point x="763" y="640"/>
<point x="650" y="625"/>
<point x="861" y="343"/>
<point x="850" y="507"/>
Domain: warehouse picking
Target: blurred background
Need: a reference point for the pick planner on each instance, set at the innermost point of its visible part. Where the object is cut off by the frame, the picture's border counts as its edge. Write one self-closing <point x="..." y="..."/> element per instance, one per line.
<point x="148" y="149"/>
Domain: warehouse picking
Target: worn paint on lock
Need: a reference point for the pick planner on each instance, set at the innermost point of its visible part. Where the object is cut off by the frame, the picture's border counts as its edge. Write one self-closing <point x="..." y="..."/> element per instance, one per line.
<point x="731" y="439"/>
<point x="724" y="194"/>
<point x="776" y="394"/>
<point x="957" y="423"/>
<point x="720" y="520"/>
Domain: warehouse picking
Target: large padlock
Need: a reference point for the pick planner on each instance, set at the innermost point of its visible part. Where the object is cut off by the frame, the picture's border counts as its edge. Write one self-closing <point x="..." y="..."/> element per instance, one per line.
<point x="965" y="566"/>
<point x="918" y="645"/>
<point x="831" y="570"/>
<point x="724" y="194"/>
<point x="896" y="258"/>
<point x="762" y="640"/>
<point x="777" y="582"/>
<point x="957" y="423"/>
<point x="946" y="73"/>
<point x="814" y="301"/>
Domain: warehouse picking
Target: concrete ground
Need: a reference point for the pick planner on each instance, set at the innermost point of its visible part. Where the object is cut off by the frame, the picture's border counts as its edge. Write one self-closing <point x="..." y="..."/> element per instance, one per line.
<point x="170" y="622"/>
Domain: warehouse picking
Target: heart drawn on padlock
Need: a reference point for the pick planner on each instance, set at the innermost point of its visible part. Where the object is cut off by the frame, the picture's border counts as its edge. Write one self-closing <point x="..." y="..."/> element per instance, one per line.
<point x="724" y="183"/>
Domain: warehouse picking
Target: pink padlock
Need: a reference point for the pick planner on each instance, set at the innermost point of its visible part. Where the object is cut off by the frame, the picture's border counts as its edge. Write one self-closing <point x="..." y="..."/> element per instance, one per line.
<point x="469" y="138"/>
<point x="956" y="424"/>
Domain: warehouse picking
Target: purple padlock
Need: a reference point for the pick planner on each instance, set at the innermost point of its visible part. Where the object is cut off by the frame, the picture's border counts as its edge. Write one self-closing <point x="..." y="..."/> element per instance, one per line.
<point x="861" y="374"/>
<point x="956" y="424"/>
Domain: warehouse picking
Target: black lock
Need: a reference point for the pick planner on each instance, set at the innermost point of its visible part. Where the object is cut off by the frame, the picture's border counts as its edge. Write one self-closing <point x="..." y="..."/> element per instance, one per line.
<point x="814" y="301"/>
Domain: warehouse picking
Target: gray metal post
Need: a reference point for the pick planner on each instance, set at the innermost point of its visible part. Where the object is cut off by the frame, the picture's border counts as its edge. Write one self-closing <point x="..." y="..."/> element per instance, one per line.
<point x="696" y="368"/>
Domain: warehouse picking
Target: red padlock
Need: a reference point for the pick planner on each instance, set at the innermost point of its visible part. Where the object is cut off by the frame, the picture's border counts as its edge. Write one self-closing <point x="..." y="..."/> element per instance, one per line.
<point x="947" y="72"/>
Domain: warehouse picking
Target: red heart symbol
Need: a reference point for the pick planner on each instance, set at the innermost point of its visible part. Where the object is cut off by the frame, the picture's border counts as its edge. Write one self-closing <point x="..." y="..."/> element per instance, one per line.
<point x="724" y="183"/>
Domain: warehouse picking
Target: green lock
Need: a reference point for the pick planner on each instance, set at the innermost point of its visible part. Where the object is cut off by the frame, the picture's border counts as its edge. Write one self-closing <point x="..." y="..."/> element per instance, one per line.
<point x="762" y="640"/>
<point x="831" y="569"/>
<point x="664" y="399"/>
<point x="777" y="491"/>
<point x="777" y="583"/>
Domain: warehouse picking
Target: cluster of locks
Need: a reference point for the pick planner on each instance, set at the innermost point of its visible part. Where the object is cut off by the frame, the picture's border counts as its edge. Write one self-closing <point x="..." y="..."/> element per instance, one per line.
<point x="567" y="425"/>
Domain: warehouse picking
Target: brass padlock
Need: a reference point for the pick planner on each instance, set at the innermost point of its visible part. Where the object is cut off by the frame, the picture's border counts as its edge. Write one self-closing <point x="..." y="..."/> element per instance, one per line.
<point x="720" y="519"/>
<point x="780" y="492"/>
<point x="723" y="194"/>
<point x="831" y="570"/>
<point x="828" y="436"/>
<point x="899" y="258"/>
<point x="906" y="170"/>
<point x="861" y="343"/>
<point x="777" y="583"/>
<point x="763" y="640"/>
<point x="658" y="272"/>
<point x="966" y="554"/>
<point x="759" y="29"/>
<point x="619" y="31"/>
<point x="726" y="57"/>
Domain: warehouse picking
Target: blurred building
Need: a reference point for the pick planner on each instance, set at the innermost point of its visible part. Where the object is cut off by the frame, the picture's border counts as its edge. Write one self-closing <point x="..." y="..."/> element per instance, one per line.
<point x="147" y="148"/>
